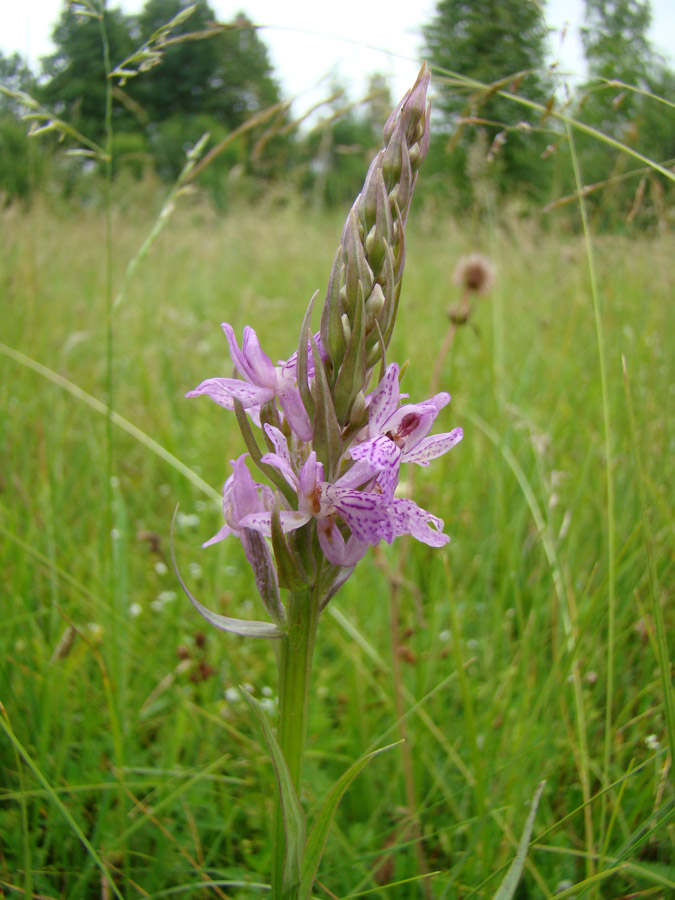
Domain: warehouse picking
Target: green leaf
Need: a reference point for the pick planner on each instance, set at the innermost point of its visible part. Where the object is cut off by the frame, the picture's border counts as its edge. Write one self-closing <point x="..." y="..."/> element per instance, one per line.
<point x="318" y="836"/>
<point x="294" y="817"/>
<point x="332" y="333"/>
<point x="303" y="352"/>
<point x="508" y="886"/>
<point x="244" y="627"/>
<point x="270" y="472"/>
<point x="291" y="571"/>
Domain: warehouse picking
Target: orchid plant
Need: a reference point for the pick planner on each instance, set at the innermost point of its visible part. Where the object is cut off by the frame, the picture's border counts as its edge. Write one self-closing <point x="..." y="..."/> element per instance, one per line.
<point x="328" y="431"/>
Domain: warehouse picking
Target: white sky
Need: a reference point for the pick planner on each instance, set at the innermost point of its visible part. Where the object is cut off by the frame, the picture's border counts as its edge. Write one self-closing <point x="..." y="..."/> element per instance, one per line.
<point x="312" y="40"/>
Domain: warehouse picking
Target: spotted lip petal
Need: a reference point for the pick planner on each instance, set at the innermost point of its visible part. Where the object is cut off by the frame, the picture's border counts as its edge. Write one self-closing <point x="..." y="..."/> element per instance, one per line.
<point x="406" y="517"/>
<point x="382" y="457"/>
<point x="434" y="446"/>
<point x="399" y="434"/>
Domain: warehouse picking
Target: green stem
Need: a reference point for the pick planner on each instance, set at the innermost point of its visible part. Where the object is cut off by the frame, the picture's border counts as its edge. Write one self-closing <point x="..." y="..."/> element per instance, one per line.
<point x="295" y="674"/>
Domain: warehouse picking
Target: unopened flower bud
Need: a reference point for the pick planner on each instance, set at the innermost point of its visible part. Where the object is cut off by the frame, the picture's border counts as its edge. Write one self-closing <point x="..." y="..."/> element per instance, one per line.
<point x="346" y="327"/>
<point x="358" y="409"/>
<point x="374" y="306"/>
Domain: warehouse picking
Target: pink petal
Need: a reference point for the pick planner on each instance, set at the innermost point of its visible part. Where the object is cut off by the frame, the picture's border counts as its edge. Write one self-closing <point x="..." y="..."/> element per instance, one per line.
<point x="279" y="442"/>
<point x="334" y="547"/>
<point x="408" y="518"/>
<point x="295" y="412"/>
<point x="243" y="491"/>
<point x="284" y="466"/>
<point x="432" y="447"/>
<point x="359" y="474"/>
<point x="220" y="535"/>
<point x="223" y="391"/>
<point x="384" y="458"/>
<point x="262" y="522"/>
<point x="362" y="511"/>
<point x="384" y="400"/>
<point x="259" y="364"/>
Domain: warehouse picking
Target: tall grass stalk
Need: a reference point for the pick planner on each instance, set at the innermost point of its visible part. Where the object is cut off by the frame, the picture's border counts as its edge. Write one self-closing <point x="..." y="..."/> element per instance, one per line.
<point x="662" y="652"/>
<point x="609" y="483"/>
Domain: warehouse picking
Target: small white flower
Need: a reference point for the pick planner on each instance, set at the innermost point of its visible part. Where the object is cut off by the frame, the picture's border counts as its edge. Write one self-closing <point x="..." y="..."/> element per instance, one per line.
<point x="652" y="742"/>
<point x="187" y="520"/>
<point x="166" y="597"/>
<point x="269" y="705"/>
<point x="195" y="570"/>
<point x="115" y="534"/>
<point x="232" y="694"/>
<point x="267" y="691"/>
<point x="161" y="568"/>
<point x="135" y="610"/>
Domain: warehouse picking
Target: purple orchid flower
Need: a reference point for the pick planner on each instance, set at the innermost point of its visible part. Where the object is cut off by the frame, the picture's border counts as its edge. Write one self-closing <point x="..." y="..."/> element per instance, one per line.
<point x="242" y="496"/>
<point x="399" y="434"/>
<point x="370" y="515"/>
<point x="362" y="511"/>
<point x="260" y="382"/>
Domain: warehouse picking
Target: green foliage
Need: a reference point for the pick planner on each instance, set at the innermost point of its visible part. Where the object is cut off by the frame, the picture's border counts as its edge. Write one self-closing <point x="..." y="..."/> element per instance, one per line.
<point x="621" y="100"/>
<point x="490" y="41"/>
<point x="615" y="40"/>
<point x="73" y="80"/>
<point x="225" y="74"/>
<point x="206" y="78"/>
<point x="22" y="162"/>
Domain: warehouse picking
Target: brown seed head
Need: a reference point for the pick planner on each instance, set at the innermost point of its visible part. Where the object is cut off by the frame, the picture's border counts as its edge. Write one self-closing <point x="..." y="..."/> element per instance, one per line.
<point x="474" y="274"/>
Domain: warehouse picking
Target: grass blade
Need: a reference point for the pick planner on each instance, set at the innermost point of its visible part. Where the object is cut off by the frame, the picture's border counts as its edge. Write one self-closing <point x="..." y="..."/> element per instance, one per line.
<point x="508" y="886"/>
<point x="294" y="817"/>
<point x="319" y="834"/>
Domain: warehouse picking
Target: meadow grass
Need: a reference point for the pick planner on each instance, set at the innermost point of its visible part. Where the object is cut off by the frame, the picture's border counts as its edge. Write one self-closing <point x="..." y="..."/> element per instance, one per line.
<point x="126" y="748"/>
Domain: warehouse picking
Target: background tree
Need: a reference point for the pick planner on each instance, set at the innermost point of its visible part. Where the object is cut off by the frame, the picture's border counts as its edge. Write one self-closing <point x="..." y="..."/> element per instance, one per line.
<point x="618" y="49"/>
<point x="490" y="40"/>
<point x="210" y="78"/>
<point x="204" y="83"/>
<point x="226" y="75"/>
<point x="22" y="159"/>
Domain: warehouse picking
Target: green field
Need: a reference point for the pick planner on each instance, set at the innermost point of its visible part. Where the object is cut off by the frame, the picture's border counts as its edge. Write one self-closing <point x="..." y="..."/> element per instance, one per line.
<point x="530" y="648"/>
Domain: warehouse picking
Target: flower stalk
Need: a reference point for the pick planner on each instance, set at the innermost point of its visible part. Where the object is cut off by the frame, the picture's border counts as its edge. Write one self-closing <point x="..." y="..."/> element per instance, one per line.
<point x="294" y="662"/>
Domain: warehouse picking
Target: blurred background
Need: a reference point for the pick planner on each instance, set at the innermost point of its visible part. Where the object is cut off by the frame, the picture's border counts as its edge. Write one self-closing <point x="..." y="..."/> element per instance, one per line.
<point x="329" y="77"/>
